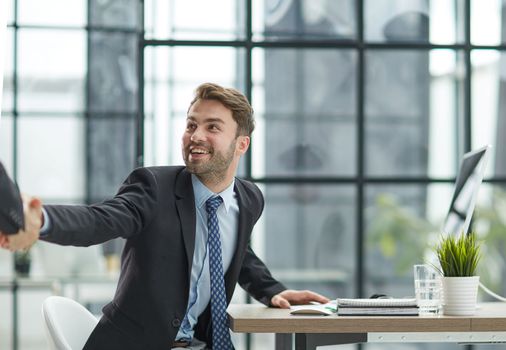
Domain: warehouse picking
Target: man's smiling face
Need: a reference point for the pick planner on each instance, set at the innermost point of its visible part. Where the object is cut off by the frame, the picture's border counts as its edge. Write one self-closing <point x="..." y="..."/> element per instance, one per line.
<point x="211" y="147"/>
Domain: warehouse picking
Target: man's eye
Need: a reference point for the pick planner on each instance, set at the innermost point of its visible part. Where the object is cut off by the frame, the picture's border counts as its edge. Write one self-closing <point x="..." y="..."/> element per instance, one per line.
<point x="190" y="126"/>
<point x="213" y="127"/>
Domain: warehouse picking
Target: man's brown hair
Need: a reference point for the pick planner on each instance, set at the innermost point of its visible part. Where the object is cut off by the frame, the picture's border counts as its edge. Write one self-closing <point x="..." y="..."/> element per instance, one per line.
<point x="242" y="112"/>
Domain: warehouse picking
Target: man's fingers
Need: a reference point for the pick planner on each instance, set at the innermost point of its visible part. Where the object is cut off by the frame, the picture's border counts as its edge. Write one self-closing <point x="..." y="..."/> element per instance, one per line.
<point x="297" y="297"/>
<point x="4" y="241"/>
<point x="35" y="209"/>
<point x="307" y="296"/>
<point x="284" y="304"/>
<point x="312" y="296"/>
<point x="26" y="237"/>
<point x="35" y="203"/>
<point x="280" y="302"/>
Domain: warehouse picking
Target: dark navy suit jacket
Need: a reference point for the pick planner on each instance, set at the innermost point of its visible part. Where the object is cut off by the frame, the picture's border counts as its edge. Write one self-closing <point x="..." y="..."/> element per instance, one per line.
<point x="155" y="211"/>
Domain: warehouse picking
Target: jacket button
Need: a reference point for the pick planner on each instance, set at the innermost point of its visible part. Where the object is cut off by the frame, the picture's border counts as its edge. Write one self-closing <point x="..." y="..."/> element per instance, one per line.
<point x="176" y="322"/>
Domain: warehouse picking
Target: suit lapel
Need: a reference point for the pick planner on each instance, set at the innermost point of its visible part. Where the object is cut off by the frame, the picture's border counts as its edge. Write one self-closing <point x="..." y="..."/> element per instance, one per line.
<point x="244" y="229"/>
<point x="185" y="203"/>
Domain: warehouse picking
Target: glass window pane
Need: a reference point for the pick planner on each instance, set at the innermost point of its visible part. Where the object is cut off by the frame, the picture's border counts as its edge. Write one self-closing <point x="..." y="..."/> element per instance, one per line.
<point x="487" y="22"/>
<point x="304" y="19"/>
<point x="51" y="162"/>
<point x="52" y="12"/>
<point x="52" y="65"/>
<point x="195" y="19"/>
<point x="111" y="152"/>
<point x="8" y="70"/>
<point x="6" y="142"/>
<point x="488" y="106"/>
<point x="6" y="303"/>
<point x="113" y="72"/>
<point x="9" y="7"/>
<point x="305" y="105"/>
<point x="116" y="13"/>
<point x="434" y="21"/>
<point x="413" y="111"/>
<point x="489" y="222"/>
<point x="315" y="225"/>
<point x="402" y="224"/>
<point x="171" y="76"/>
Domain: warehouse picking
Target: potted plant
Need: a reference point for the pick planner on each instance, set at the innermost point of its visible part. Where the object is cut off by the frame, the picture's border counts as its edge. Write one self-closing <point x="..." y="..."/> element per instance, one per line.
<point x="22" y="262"/>
<point x="458" y="257"/>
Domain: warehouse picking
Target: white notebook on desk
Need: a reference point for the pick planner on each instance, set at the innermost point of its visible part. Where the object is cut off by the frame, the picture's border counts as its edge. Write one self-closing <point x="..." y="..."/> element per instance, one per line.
<point x="379" y="302"/>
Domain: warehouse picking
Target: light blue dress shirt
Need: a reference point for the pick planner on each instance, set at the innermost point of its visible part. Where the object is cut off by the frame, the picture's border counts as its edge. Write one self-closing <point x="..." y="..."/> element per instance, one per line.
<point x="200" y="285"/>
<point x="45" y="227"/>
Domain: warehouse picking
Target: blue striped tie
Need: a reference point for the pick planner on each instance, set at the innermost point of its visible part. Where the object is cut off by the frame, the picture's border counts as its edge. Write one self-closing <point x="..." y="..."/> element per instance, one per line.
<point x="221" y="334"/>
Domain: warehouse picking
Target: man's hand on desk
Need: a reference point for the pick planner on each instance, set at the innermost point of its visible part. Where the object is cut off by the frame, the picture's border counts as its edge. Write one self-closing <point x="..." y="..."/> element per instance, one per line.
<point x="296" y="297"/>
<point x="24" y="239"/>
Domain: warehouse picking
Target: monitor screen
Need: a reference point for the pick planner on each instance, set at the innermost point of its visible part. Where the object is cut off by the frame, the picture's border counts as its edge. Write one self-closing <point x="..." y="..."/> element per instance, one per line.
<point x="469" y="177"/>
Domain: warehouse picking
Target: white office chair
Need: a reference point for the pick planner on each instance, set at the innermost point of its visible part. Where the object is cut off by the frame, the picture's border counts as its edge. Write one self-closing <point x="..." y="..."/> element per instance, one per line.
<point x="68" y="323"/>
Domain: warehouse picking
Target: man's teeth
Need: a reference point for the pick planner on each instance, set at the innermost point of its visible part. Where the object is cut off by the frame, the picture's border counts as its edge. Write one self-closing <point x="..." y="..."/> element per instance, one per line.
<point x="200" y="151"/>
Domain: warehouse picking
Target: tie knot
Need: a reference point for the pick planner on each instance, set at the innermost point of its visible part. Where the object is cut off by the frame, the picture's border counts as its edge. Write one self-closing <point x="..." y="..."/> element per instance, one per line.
<point x="213" y="203"/>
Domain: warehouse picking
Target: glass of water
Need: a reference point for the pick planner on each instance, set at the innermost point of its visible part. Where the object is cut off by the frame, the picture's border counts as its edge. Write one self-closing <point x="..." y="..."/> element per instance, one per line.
<point x="428" y="290"/>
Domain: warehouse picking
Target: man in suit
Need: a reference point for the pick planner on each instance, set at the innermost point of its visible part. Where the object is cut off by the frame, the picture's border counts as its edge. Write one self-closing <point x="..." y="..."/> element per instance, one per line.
<point x="187" y="232"/>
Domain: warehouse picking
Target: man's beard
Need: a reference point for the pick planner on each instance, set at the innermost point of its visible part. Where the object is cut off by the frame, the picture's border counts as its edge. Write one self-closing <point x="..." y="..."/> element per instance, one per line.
<point x="215" y="167"/>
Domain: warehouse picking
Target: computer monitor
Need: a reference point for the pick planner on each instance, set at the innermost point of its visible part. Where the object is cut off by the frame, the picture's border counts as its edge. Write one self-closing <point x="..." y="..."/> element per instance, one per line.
<point x="469" y="178"/>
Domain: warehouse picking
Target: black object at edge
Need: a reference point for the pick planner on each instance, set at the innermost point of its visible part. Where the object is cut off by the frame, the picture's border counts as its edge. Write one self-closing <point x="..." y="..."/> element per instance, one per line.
<point x="11" y="205"/>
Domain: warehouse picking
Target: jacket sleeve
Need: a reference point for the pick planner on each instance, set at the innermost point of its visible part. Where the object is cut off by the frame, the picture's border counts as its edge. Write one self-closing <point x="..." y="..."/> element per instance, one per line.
<point x="257" y="280"/>
<point x="125" y="215"/>
<point x="254" y="276"/>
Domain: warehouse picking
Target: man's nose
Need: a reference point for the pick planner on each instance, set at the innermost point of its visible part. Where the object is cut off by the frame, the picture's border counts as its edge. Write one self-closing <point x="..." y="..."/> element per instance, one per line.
<point x="197" y="135"/>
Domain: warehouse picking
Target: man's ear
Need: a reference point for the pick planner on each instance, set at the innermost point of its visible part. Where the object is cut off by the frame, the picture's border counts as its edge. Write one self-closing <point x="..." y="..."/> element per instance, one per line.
<point x="242" y="144"/>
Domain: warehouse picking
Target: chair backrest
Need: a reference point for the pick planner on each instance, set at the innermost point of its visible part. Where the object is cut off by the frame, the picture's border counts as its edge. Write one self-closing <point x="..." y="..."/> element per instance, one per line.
<point x="68" y="323"/>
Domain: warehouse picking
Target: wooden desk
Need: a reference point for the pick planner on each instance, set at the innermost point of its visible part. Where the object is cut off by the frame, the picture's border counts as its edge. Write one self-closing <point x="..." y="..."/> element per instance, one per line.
<point x="486" y="326"/>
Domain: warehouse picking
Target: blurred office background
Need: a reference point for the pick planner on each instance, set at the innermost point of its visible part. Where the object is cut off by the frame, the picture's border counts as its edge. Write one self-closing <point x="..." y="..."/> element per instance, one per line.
<point x="364" y="109"/>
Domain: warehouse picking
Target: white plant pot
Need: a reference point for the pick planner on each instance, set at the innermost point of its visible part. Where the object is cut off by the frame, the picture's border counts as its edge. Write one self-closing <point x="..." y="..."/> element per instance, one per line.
<point x="460" y="295"/>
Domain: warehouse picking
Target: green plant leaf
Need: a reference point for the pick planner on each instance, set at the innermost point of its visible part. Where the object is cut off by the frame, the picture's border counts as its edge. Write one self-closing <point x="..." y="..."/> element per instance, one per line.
<point x="458" y="255"/>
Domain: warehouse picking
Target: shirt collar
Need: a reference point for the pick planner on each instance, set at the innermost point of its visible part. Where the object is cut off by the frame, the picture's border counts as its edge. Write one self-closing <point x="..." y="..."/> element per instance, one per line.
<point x="202" y="193"/>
